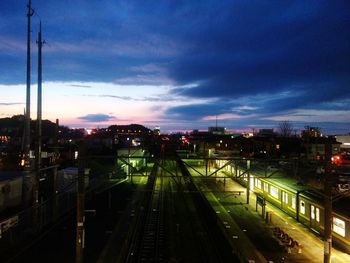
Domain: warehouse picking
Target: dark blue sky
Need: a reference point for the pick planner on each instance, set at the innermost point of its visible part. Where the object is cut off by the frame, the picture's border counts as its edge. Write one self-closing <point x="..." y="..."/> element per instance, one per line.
<point x="251" y="63"/>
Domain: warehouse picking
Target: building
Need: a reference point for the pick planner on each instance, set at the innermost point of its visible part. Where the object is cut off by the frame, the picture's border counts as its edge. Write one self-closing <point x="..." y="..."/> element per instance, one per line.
<point x="156" y="131"/>
<point x="266" y="133"/>
<point x="216" y="130"/>
<point x="313" y="132"/>
<point x="317" y="148"/>
<point x="345" y="141"/>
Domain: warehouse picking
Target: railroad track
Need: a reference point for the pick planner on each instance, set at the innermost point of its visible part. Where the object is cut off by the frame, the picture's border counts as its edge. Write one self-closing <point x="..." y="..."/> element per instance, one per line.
<point x="173" y="225"/>
<point x="153" y="235"/>
<point x="148" y="232"/>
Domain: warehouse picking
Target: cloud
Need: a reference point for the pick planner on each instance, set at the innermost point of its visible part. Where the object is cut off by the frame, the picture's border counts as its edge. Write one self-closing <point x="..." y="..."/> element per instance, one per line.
<point x="81" y="86"/>
<point x="144" y="79"/>
<point x="297" y="48"/>
<point x="10" y="44"/>
<point x="225" y="116"/>
<point x="98" y="117"/>
<point x="309" y="115"/>
<point x="255" y="61"/>
<point x="10" y="103"/>
<point x="196" y="112"/>
<point x="145" y="99"/>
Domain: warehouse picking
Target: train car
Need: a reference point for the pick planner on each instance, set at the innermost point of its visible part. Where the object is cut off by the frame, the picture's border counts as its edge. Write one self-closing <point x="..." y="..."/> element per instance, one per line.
<point x="341" y="224"/>
<point x="301" y="203"/>
<point x="311" y="212"/>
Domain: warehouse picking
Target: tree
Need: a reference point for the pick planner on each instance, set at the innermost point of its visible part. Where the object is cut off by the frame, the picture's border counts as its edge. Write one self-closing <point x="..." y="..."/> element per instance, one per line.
<point x="285" y="128"/>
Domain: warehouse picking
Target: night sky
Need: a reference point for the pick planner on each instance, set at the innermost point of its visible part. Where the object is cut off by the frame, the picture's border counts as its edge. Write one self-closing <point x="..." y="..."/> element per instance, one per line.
<point x="179" y="64"/>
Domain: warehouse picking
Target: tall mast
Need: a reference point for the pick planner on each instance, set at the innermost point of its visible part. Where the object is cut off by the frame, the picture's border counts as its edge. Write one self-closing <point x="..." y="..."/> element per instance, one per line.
<point x="39" y="108"/>
<point x="38" y="122"/>
<point x="36" y="176"/>
<point x="27" y="167"/>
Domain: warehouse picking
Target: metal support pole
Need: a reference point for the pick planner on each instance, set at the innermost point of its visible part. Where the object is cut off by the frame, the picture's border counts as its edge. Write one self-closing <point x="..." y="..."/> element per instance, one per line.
<point x="54" y="194"/>
<point x="146" y="161"/>
<point x="39" y="106"/>
<point x="263" y="209"/>
<point x="36" y="175"/>
<point x="248" y="184"/>
<point x="27" y="167"/>
<point x="129" y="152"/>
<point x="80" y="232"/>
<point x="328" y="223"/>
<point x="206" y="167"/>
<point x="328" y="219"/>
<point x="297" y="206"/>
<point x="248" y="188"/>
<point x="27" y="180"/>
<point x="55" y="175"/>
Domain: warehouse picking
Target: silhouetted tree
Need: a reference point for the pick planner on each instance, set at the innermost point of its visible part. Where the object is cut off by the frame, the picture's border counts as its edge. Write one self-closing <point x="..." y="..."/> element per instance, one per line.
<point x="285" y="128"/>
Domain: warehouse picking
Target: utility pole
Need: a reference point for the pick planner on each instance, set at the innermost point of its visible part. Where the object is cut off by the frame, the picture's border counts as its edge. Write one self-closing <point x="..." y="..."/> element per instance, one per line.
<point x="27" y="167"/>
<point x="38" y="126"/>
<point x="26" y="194"/>
<point x="55" y="172"/>
<point x="80" y="230"/>
<point x="328" y="219"/>
<point x="39" y="110"/>
<point x="36" y="175"/>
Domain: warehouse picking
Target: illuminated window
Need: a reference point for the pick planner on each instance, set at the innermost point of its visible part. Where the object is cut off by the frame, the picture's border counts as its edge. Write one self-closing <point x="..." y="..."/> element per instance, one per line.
<point x="252" y="182"/>
<point x="317" y="214"/>
<point x="266" y="187"/>
<point x="257" y="183"/>
<point x="284" y="197"/>
<point x="294" y="202"/>
<point x="274" y="191"/>
<point x="339" y="226"/>
<point x="302" y="207"/>
<point x="312" y="212"/>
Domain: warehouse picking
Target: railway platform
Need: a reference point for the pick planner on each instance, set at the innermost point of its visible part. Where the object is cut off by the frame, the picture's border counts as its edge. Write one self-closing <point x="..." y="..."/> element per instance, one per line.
<point x="311" y="246"/>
